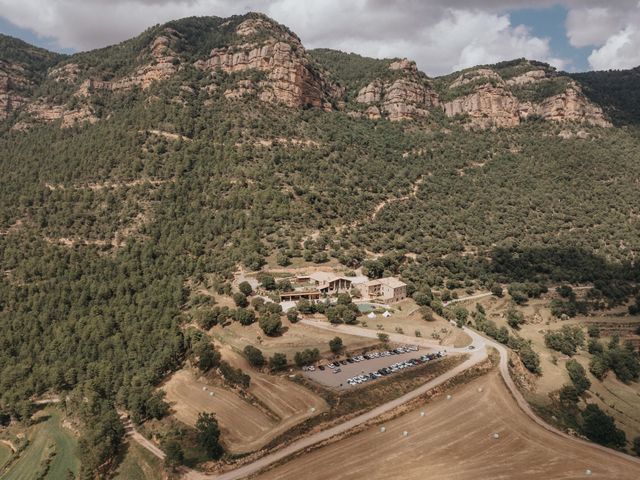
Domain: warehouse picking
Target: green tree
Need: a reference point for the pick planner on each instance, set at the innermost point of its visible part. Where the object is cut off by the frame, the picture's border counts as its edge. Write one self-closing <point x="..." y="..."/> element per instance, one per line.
<point x="278" y="361"/>
<point x="335" y="344"/>
<point x="601" y="428"/>
<point x="208" y="356"/>
<point x="245" y="316"/>
<point x="245" y="288"/>
<point x="578" y="376"/>
<point x="240" y="300"/>
<point x="270" y="324"/>
<point x="254" y="356"/>
<point x="174" y="455"/>
<point x="208" y="434"/>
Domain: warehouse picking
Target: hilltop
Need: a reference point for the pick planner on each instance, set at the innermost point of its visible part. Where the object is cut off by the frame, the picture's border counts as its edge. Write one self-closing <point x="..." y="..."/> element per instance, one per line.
<point x="140" y="181"/>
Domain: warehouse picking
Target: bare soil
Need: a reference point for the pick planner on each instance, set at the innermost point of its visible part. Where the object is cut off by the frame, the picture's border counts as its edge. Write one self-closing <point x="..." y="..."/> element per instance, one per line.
<point x="455" y="440"/>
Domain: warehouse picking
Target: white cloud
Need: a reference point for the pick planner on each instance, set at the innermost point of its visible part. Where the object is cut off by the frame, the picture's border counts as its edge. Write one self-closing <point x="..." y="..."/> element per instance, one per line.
<point x="441" y="35"/>
<point x="592" y="26"/>
<point x="621" y="50"/>
<point x="612" y="30"/>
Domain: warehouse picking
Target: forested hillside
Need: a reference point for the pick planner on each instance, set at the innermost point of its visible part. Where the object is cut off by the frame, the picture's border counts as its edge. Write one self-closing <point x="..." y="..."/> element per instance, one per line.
<point x="137" y="173"/>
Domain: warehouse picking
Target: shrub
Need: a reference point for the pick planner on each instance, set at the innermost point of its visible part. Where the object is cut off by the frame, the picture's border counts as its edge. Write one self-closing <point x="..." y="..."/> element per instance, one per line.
<point x="335" y="344"/>
<point x="245" y="288"/>
<point x="245" y="317"/>
<point x="292" y="315"/>
<point x="278" y="361"/>
<point x="240" y="300"/>
<point x="254" y="356"/>
<point x="578" y="376"/>
<point x="208" y="434"/>
<point x="270" y="324"/>
<point x="234" y="376"/>
<point x="515" y="318"/>
<point x="306" y="357"/>
<point x="601" y="428"/>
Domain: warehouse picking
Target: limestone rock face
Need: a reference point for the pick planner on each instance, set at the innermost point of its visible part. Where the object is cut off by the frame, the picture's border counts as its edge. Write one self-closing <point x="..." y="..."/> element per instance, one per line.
<point x="473" y="75"/>
<point x="13" y="81"/>
<point x="572" y="105"/>
<point x="494" y="105"/>
<point x="405" y="65"/>
<point x="372" y="93"/>
<point x="67" y="73"/>
<point x="164" y="63"/>
<point x="488" y="106"/>
<point x="46" y="112"/>
<point x="241" y="89"/>
<point x="288" y="75"/>
<point x="531" y="76"/>
<point x="402" y="99"/>
<point x="405" y="99"/>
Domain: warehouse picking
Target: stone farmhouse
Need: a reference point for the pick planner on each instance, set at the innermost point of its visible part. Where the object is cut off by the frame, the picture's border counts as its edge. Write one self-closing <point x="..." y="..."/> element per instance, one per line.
<point x="388" y="289"/>
<point x="325" y="284"/>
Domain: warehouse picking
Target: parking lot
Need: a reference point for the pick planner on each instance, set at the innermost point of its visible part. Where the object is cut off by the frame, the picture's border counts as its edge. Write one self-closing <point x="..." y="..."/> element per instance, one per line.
<point x="362" y="370"/>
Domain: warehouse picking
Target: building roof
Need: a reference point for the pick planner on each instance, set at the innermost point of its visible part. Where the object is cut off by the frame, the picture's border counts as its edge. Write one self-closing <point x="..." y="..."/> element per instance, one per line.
<point x="391" y="282"/>
<point x="327" y="277"/>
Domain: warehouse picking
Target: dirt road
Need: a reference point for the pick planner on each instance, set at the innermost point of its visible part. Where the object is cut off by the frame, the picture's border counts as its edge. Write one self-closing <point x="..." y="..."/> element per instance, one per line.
<point x="455" y="440"/>
<point x="478" y="354"/>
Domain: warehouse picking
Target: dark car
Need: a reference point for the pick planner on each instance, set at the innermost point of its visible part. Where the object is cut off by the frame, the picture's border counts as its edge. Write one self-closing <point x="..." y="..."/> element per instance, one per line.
<point x="321" y="367"/>
<point x="350" y="360"/>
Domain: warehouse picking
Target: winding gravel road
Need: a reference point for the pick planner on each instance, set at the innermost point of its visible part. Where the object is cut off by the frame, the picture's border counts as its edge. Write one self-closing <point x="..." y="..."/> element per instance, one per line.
<point x="477" y="355"/>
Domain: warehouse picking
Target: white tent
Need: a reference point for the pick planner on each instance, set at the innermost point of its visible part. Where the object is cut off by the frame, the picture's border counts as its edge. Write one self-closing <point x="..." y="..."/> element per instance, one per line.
<point x="371" y="315"/>
<point x="386" y="314"/>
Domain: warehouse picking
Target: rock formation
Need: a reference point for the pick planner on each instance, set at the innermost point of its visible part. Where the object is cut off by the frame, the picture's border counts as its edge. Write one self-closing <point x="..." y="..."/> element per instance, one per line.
<point x="288" y="75"/>
<point x="572" y="105"/>
<point x="486" y="107"/>
<point x="13" y="82"/>
<point x="402" y="99"/>
<point x="492" y="104"/>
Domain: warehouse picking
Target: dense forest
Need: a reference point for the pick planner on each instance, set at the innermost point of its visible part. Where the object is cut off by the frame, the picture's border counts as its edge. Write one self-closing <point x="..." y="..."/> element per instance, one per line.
<point x="104" y="227"/>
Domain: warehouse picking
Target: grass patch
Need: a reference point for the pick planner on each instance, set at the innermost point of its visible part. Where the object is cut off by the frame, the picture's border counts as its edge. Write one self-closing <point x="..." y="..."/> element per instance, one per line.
<point x="5" y="454"/>
<point x="139" y="464"/>
<point x="51" y="452"/>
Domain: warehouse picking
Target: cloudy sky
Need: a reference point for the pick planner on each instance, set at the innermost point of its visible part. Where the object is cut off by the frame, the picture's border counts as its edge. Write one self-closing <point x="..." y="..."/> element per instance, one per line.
<point x="441" y="35"/>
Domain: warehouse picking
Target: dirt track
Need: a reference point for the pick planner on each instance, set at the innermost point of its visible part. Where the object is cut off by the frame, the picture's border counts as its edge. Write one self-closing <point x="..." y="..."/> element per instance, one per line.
<point x="245" y="427"/>
<point x="454" y="440"/>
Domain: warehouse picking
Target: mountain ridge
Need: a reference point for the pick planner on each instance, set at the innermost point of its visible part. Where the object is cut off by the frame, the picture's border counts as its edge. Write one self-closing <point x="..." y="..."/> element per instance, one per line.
<point x="251" y="54"/>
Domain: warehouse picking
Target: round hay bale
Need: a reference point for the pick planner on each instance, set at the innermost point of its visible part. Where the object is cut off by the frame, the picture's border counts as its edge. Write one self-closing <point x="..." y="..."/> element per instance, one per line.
<point x="382" y="429"/>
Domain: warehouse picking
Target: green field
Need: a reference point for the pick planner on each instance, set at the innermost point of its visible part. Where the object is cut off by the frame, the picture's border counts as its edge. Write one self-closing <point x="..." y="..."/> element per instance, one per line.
<point x="47" y="440"/>
<point x="5" y="454"/>
<point x="139" y="464"/>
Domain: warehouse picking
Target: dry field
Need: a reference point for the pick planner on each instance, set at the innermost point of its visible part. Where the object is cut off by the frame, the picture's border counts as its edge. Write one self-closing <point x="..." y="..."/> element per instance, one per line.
<point x="246" y="426"/>
<point x="296" y="337"/>
<point x="617" y="399"/>
<point x="407" y="318"/>
<point x="454" y="440"/>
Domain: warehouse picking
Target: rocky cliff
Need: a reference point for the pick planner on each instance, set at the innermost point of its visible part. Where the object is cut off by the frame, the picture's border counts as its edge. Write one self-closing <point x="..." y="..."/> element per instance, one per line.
<point x="487" y="100"/>
<point x="404" y="98"/>
<point x="12" y="82"/>
<point x="252" y="56"/>
<point x="285" y="74"/>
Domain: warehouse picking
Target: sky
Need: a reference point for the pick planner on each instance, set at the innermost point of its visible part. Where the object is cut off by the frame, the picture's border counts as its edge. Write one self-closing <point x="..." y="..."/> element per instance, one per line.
<point x="440" y="35"/>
